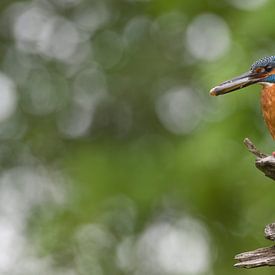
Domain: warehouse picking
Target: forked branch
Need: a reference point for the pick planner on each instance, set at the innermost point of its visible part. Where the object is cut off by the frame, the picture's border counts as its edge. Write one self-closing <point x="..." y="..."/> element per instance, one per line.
<point x="261" y="256"/>
<point x="263" y="162"/>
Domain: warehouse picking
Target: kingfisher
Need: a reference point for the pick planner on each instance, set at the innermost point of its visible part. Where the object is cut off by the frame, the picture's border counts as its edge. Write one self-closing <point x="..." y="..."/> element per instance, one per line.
<point x="261" y="72"/>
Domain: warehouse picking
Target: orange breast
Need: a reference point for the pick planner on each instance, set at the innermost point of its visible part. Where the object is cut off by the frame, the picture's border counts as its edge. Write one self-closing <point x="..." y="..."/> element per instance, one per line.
<point x="268" y="108"/>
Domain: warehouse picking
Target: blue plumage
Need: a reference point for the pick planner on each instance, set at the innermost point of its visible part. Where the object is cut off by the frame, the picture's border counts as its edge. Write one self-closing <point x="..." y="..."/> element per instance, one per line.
<point x="268" y="60"/>
<point x="262" y="72"/>
<point x="270" y="79"/>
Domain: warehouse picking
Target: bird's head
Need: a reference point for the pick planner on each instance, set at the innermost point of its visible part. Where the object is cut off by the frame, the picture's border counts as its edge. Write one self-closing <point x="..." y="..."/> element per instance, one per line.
<point x="262" y="72"/>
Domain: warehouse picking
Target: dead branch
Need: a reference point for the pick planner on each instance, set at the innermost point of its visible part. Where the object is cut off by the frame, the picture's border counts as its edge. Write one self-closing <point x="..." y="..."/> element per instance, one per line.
<point x="261" y="256"/>
<point x="263" y="162"/>
<point x="252" y="148"/>
<point x="256" y="258"/>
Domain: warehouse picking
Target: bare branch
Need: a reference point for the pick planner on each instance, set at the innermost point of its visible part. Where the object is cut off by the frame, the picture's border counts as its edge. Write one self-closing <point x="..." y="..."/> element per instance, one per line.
<point x="267" y="166"/>
<point x="269" y="232"/>
<point x="259" y="257"/>
<point x="263" y="162"/>
<point x="252" y="148"/>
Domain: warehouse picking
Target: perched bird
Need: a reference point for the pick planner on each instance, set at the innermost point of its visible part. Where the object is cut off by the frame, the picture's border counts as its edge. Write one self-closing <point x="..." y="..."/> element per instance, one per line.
<point x="261" y="72"/>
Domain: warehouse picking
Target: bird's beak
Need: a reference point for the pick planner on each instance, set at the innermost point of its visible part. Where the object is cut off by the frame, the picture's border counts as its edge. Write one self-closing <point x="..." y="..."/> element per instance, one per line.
<point x="237" y="83"/>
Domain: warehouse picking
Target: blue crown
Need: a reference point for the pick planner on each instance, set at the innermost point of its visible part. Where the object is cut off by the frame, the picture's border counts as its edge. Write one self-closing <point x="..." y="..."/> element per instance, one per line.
<point x="268" y="60"/>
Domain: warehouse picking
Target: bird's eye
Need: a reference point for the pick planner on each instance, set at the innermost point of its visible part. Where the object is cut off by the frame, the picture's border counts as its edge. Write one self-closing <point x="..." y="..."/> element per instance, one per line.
<point x="268" y="68"/>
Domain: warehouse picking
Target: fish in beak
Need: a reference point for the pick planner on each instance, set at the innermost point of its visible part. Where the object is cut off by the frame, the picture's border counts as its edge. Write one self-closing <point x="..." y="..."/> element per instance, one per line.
<point x="238" y="83"/>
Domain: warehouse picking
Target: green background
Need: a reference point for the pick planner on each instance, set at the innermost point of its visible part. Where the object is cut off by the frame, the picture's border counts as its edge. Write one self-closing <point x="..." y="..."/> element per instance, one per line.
<point x="114" y="158"/>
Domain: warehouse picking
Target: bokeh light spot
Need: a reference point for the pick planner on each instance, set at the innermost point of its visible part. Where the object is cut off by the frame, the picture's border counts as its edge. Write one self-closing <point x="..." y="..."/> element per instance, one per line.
<point x="67" y="3"/>
<point x="91" y="17"/>
<point x="208" y="37"/>
<point x="248" y="4"/>
<point x="89" y="90"/>
<point x="29" y="21"/>
<point x="108" y="48"/>
<point x="59" y="39"/>
<point x="8" y="97"/>
<point x="180" y="248"/>
<point x="16" y="204"/>
<point x="43" y="93"/>
<point x="179" y="110"/>
<point x="135" y="30"/>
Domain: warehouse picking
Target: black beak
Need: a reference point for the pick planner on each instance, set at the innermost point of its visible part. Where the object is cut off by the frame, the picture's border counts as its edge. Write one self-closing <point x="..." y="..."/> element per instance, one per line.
<point x="237" y="83"/>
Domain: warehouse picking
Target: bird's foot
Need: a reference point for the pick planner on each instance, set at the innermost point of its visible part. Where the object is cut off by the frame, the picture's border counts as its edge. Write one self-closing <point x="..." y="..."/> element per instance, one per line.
<point x="273" y="154"/>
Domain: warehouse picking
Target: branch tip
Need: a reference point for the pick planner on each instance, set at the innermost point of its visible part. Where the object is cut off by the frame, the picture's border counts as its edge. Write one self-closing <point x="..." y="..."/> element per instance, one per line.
<point x="253" y="149"/>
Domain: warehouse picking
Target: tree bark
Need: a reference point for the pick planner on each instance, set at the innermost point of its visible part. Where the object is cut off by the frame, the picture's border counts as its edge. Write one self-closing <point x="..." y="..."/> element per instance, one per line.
<point x="261" y="256"/>
<point x="263" y="162"/>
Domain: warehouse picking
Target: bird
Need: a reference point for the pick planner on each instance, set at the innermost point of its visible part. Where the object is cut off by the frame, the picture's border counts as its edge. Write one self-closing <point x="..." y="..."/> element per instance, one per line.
<point x="261" y="72"/>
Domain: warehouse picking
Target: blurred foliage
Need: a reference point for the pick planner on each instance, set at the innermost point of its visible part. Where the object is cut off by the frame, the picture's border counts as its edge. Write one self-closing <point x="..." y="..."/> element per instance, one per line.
<point x="114" y="159"/>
